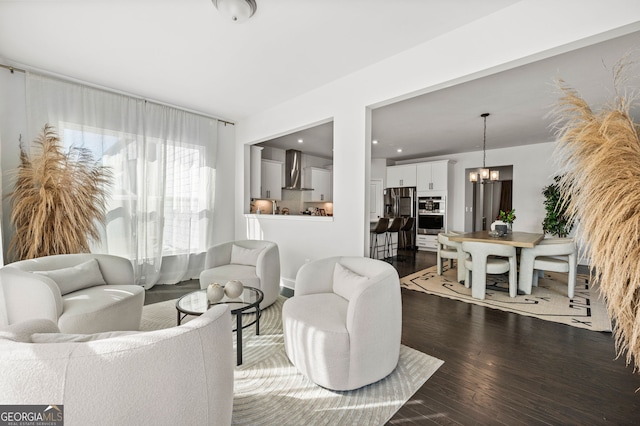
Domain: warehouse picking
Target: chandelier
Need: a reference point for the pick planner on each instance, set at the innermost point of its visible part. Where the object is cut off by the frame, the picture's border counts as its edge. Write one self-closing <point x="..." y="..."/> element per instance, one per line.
<point x="484" y="174"/>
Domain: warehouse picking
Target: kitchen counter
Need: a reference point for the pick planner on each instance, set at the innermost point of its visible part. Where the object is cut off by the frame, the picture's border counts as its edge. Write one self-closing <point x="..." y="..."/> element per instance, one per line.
<point x="305" y="217"/>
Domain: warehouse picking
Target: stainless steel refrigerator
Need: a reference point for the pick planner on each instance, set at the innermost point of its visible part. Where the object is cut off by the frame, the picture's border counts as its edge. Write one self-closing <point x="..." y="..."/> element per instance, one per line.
<point x="401" y="202"/>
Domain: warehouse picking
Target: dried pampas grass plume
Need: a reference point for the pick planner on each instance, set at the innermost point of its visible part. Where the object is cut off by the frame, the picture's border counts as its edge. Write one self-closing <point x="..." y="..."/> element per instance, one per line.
<point x="58" y="200"/>
<point x="599" y="156"/>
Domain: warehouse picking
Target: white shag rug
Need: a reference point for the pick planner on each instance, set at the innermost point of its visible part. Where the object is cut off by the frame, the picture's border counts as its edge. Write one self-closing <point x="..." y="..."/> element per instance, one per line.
<point x="268" y="389"/>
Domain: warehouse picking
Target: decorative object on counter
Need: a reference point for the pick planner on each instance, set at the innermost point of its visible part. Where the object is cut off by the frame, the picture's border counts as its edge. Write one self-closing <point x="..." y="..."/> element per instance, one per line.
<point x="598" y="152"/>
<point x="556" y="221"/>
<point x="285" y="210"/>
<point x="215" y="293"/>
<point x="233" y="288"/>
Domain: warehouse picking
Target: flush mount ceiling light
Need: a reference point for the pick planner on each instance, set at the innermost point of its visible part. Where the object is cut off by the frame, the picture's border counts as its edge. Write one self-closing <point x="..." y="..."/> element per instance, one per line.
<point x="484" y="173"/>
<point x="236" y="10"/>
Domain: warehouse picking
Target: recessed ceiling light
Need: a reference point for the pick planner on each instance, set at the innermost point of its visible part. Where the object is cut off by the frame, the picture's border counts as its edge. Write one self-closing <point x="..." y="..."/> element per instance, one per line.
<point x="300" y="140"/>
<point x="399" y="150"/>
<point x="375" y="141"/>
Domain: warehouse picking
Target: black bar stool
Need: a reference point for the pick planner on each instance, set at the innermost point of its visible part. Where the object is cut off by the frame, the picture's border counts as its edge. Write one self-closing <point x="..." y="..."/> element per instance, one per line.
<point x="381" y="228"/>
<point x="394" y="228"/>
<point x="406" y="228"/>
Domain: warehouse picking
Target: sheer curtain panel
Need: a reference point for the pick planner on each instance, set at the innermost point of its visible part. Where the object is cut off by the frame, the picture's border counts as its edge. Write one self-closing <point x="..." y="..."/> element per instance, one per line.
<point x="163" y="162"/>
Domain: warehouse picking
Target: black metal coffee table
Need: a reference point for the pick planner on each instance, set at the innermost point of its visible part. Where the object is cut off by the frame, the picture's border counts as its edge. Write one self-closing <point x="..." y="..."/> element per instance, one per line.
<point x="196" y="303"/>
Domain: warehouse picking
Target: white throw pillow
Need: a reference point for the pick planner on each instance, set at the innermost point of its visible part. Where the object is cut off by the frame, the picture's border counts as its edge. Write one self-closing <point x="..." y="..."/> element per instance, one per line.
<point x="65" y="338"/>
<point x="244" y="256"/>
<point x="84" y="275"/>
<point x="346" y="282"/>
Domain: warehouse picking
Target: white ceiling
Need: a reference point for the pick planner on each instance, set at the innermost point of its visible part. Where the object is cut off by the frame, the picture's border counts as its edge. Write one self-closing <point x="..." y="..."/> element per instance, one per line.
<point x="183" y="53"/>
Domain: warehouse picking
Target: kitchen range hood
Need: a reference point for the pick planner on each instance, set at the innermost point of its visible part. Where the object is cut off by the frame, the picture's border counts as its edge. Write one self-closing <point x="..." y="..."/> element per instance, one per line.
<point x="293" y="171"/>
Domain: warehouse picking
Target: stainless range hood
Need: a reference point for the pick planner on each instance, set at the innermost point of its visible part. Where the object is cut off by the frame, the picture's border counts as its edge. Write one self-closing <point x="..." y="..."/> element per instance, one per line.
<point x="293" y="171"/>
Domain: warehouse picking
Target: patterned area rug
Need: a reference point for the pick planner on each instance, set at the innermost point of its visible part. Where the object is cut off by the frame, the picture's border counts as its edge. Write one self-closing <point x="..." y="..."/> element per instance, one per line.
<point x="270" y="391"/>
<point x="548" y="301"/>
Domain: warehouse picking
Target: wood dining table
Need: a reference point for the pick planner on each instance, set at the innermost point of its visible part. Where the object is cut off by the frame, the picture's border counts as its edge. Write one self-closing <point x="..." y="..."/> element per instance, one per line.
<point x="516" y="239"/>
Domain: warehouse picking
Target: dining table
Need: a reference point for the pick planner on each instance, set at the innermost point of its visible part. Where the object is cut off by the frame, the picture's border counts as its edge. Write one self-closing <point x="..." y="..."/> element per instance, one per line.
<point x="515" y="239"/>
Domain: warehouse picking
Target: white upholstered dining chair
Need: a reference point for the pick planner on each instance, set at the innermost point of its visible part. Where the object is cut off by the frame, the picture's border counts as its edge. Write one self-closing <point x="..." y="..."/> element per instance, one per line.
<point x="451" y="250"/>
<point x="489" y="258"/>
<point x="550" y="254"/>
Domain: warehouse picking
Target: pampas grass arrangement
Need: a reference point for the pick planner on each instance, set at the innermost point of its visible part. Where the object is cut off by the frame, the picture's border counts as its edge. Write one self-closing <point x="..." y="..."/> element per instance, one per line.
<point x="58" y="201"/>
<point x="599" y="156"/>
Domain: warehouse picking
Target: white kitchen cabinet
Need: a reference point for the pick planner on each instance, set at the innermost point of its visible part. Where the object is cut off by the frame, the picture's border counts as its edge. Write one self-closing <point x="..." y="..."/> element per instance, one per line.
<point x="432" y="176"/>
<point x="401" y="176"/>
<point x="271" y="179"/>
<point x="427" y="242"/>
<point x="320" y="181"/>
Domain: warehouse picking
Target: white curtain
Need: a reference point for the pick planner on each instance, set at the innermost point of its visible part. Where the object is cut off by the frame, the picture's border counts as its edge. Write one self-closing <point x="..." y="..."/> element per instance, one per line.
<point x="163" y="163"/>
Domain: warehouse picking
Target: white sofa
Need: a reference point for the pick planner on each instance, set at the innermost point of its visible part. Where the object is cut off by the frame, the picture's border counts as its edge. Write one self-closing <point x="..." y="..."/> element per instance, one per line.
<point x="176" y="376"/>
<point x="342" y="327"/>
<point x="81" y="293"/>
<point x="254" y="262"/>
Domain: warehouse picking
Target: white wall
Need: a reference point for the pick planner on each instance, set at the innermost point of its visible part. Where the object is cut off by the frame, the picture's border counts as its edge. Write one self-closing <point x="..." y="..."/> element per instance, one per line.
<point x="527" y="31"/>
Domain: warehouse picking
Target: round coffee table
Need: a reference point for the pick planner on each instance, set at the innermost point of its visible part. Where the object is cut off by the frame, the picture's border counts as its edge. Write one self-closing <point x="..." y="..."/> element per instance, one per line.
<point x="196" y="303"/>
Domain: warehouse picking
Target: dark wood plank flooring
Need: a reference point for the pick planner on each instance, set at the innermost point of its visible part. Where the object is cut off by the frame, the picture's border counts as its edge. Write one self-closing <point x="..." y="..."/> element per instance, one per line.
<point x="501" y="368"/>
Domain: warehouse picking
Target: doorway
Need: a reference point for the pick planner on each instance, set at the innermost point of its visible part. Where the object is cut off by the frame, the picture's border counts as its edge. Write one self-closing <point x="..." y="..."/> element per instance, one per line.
<point x="484" y="200"/>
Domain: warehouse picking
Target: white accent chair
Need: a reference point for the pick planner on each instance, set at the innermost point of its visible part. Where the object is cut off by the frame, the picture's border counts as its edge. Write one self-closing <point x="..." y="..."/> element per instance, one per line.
<point x="343" y="325"/>
<point x="451" y="250"/>
<point x="254" y="262"/>
<point x="550" y="254"/>
<point x="175" y="376"/>
<point x="81" y="293"/>
<point x="489" y="258"/>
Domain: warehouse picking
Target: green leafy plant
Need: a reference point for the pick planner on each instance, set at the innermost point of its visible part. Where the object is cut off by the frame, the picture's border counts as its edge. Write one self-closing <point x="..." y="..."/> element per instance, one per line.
<point x="507" y="217"/>
<point x="58" y="201"/>
<point x="556" y="221"/>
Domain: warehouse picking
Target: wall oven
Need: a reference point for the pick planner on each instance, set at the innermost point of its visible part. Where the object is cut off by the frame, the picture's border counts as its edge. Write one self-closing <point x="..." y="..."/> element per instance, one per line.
<point x="431" y="215"/>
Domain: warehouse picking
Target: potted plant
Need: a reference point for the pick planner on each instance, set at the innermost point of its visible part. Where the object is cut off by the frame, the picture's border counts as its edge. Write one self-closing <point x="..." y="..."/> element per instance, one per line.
<point x="58" y="201"/>
<point x="556" y="221"/>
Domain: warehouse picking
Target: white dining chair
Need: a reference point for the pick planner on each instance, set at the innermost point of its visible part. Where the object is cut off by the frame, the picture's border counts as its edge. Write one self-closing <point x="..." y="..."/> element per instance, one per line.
<point x="550" y="254"/>
<point x="489" y="258"/>
<point x="451" y="250"/>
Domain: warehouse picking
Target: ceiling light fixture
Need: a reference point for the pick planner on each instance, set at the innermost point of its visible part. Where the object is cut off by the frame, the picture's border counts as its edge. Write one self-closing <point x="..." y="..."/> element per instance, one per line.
<point x="300" y="141"/>
<point x="236" y="10"/>
<point x="484" y="173"/>
<point x="375" y="141"/>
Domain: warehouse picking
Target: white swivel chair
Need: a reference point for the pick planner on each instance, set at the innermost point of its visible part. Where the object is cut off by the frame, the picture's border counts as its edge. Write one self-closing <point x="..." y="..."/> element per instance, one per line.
<point x="483" y="261"/>
<point x="451" y="250"/>
<point x="551" y="254"/>
<point x="254" y="262"/>
<point x="81" y="293"/>
<point x="342" y="328"/>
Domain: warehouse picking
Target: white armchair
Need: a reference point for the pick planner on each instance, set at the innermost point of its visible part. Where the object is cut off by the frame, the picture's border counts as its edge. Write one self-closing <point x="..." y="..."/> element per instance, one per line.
<point x="254" y="262"/>
<point x="489" y="258"/>
<point x="343" y="325"/>
<point x="81" y="293"/>
<point x="550" y="254"/>
<point x="176" y="376"/>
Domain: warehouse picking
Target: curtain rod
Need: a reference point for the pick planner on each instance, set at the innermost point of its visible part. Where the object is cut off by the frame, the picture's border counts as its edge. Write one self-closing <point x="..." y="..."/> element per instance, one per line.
<point x="225" y="122"/>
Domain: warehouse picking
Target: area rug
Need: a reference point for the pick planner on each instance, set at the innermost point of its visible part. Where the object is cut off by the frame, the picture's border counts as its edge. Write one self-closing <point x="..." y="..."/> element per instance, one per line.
<point x="268" y="390"/>
<point x="548" y="301"/>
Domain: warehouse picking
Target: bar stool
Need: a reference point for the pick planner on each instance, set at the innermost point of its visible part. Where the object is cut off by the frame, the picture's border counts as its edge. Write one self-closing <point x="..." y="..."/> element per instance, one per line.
<point x="406" y="228"/>
<point x="381" y="228"/>
<point x="394" y="228"/>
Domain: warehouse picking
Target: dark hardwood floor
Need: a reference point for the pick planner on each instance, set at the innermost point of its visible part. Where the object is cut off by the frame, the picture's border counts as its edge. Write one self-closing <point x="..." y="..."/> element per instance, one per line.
<point x="501" y="368"/>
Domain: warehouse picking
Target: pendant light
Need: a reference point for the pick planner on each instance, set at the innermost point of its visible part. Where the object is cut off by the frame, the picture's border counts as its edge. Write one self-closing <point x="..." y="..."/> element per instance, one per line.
<point x="485" y="174"/>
